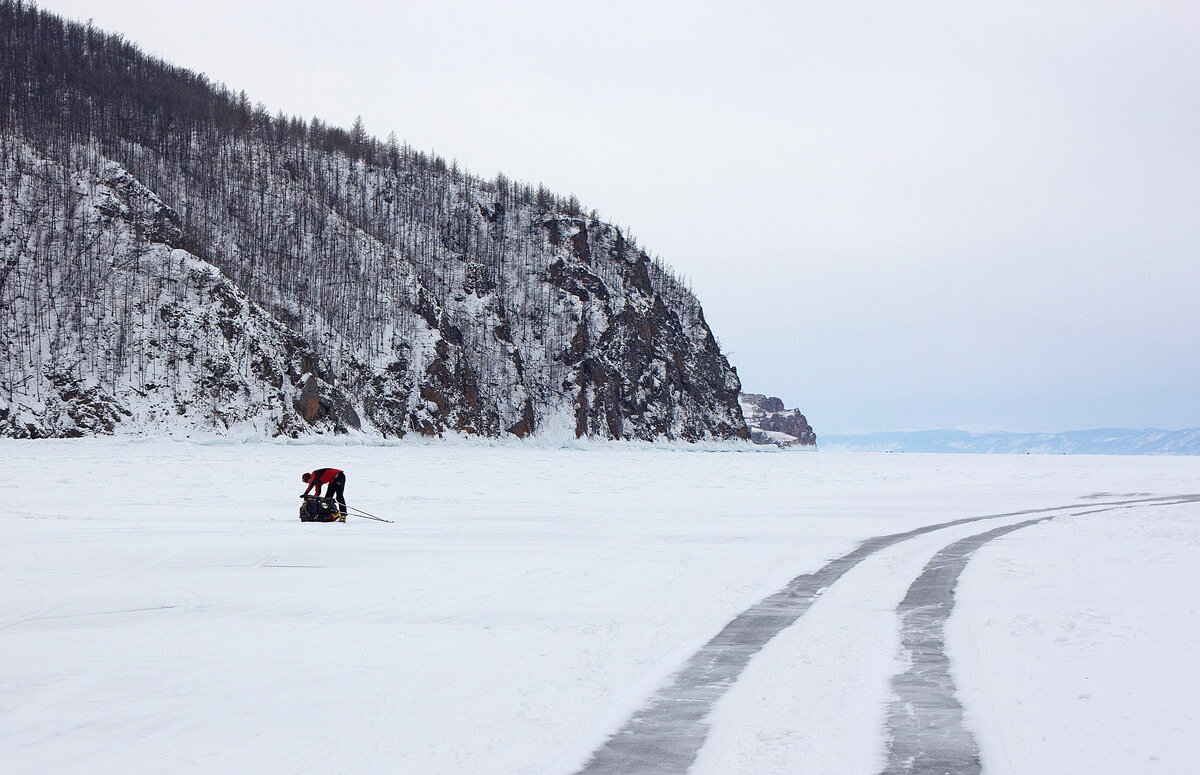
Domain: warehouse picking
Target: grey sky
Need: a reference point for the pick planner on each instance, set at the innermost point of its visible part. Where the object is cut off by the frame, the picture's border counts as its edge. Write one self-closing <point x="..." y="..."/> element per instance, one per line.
<point x="897" y="215"/>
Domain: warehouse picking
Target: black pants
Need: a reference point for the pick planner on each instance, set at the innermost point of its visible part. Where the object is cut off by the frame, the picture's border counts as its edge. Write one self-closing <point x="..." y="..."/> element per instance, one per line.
<point x="337" y="489"/>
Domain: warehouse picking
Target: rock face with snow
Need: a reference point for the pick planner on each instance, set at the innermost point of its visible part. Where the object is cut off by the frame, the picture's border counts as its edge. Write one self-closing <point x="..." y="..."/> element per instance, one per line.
<point x="173" y="260"/>
<point x="770" y="423"/>
<point x="133" y="333"/>
<point x="111" y="328"/>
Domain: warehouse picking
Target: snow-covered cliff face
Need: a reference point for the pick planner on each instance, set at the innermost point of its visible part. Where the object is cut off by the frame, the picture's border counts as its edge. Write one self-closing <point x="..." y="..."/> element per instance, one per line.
<point x="109" y="329"/>
<point x="770" y="423"/>
<point x="174" y="259"/>
<point x="310" y="294"/>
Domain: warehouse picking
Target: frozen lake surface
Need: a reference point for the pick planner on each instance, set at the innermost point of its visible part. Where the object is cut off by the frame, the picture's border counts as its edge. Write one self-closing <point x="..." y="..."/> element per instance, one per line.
<point x="162" y="609"/>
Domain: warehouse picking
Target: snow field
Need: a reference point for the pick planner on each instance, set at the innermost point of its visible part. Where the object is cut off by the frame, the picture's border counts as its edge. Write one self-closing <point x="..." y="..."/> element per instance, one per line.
<point x="844" y="652"/>
<point x="1075" y="642"/>
<point x="162" y="609"/>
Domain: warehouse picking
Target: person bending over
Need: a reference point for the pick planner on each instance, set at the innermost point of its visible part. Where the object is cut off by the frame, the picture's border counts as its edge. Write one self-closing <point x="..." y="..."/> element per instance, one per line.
<point x="334" y="480"/>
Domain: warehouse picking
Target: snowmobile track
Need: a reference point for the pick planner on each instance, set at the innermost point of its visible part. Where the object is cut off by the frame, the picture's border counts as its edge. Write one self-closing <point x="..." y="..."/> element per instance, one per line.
<point x="925" y="721"/>
<point x="666" y="733"/>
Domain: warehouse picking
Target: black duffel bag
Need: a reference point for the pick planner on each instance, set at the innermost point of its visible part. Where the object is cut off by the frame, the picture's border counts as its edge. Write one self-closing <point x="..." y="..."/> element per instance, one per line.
<point x="316" y="509"/>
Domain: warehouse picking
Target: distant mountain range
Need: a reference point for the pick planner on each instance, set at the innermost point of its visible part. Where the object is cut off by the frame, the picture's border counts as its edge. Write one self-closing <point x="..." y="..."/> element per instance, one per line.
<point x="1100" y="441"/>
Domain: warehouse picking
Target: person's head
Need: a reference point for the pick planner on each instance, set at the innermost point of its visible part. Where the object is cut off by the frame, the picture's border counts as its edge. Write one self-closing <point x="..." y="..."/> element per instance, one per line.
<point x="306" y="478"/>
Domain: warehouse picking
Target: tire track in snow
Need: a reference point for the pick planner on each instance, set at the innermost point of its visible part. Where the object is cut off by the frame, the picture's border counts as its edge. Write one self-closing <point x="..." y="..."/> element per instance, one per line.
<point x="925" y="721"/>
<point x="665" y="734"/>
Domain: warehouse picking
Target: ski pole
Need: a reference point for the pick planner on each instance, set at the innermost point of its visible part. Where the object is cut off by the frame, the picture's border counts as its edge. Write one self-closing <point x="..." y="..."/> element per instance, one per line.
<point x="366" y="514"/>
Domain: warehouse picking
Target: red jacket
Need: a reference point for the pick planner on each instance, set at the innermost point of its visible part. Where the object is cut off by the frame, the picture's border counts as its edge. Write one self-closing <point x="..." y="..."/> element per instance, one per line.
<point x="319" y="477"/>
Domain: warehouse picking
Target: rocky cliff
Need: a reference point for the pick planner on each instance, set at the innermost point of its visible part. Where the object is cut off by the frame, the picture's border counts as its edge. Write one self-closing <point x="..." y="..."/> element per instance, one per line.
<point x="770" y="423"/>
<point x="175" y="259"/>
<point x="114" y="324"/>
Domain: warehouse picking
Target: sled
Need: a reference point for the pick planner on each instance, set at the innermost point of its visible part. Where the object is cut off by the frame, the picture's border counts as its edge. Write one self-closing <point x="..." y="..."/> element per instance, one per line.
<point x="316" y="509"/>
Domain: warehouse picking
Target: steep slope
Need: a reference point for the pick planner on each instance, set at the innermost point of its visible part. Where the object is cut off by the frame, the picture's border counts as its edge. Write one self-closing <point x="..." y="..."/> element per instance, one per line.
<point x="770" y="423"/>
<point x="125" y="332"/>
<point x="416" y="297"/>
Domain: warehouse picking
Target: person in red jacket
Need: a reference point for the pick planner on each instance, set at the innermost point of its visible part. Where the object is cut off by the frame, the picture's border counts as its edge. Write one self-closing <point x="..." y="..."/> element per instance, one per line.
<point x="335" y="481"/>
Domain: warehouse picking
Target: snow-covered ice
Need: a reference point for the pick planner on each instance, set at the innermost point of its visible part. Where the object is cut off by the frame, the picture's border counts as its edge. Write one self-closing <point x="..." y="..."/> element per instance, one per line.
<point x="162" y="609"/>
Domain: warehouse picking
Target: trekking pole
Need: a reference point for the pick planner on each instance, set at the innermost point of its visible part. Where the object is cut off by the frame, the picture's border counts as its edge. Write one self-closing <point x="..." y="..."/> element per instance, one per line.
<point x="367" y="515"/>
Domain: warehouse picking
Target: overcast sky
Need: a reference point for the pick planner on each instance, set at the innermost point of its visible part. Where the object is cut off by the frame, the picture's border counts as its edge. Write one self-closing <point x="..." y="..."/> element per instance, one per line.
<point x="897" y="215"/>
